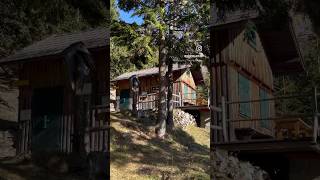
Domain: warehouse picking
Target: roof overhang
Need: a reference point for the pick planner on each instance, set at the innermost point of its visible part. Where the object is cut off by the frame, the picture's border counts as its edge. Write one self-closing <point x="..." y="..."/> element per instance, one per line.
<point x="146" y="72"/>
<point x="280" y="43"/>
<point x="53" y="46"/>
<point x="282" y="48"/>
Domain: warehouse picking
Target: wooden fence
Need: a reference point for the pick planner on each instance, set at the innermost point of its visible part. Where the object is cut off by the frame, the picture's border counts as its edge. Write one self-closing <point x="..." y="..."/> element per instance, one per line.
<point x="96" y="133"/>
<point x="150" y="101"/>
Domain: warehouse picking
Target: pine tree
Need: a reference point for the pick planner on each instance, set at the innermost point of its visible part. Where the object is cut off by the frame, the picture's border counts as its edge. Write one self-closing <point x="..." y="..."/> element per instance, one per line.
<point x="173" y="26"/>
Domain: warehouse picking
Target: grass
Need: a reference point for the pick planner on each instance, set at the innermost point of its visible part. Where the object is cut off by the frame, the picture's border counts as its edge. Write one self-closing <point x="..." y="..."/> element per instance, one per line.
<point x="137" y="154"/>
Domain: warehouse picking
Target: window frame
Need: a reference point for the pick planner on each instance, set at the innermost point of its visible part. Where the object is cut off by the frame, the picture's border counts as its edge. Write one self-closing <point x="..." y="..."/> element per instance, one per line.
<point x="263" y="94"/>
<point x="247" y="98"/>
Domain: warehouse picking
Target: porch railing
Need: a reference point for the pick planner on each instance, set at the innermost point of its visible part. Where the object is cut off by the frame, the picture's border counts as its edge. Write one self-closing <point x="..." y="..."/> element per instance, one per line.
<point x="150" y="101"/>
<point x="289" y="117"/>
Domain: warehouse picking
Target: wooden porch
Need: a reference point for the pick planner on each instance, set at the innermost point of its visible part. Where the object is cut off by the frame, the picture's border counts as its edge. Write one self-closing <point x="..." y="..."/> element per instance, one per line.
<point x="150" y="101"/>
<point x="291" y="129"/>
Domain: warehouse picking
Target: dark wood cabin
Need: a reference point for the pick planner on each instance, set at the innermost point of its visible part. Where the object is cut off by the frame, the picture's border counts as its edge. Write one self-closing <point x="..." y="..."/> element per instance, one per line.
<point x="46" y="102"/>
<point x="248" y="56"/>
<point x="184" y="87"/>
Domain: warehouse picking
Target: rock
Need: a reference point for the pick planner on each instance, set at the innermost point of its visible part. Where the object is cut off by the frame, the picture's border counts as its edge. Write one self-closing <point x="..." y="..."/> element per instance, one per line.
<point x="231" y="167"/>
<point x="182" y="119"/>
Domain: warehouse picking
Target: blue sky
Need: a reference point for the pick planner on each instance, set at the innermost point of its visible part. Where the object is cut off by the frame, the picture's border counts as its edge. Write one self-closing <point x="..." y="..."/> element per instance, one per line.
<point x="128" y="18"/>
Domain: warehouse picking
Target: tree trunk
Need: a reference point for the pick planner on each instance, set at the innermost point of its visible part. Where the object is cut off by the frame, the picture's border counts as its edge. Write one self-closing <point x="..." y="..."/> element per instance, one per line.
<point x="169" y="76"/>
<point x="134" y="92"/>
<point x="162" y="106"/>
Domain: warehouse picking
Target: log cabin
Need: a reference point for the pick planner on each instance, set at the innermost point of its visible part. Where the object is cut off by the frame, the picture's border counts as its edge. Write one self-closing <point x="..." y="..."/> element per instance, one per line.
<point x="46" y="103"/>
<point x="184" y="87"/>
<point x="248" y="55"/>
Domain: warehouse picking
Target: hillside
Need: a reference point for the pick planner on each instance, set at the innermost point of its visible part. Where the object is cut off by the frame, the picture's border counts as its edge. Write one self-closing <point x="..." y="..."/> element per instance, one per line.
<point x="137" y="154"/>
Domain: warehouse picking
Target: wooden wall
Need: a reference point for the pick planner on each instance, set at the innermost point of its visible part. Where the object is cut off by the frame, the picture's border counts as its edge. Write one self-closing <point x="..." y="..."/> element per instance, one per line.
<point x="51" y="72"/>
<point x="234" y="113"/>
<point x="147" y="83"/>
<point x="187" y="79"/>
<point x="235" y="55"/>
<point x="43" y="73"/>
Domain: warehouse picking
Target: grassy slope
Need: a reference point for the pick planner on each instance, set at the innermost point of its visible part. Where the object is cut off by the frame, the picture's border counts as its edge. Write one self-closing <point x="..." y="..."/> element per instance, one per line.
<point x="136" y="154"/>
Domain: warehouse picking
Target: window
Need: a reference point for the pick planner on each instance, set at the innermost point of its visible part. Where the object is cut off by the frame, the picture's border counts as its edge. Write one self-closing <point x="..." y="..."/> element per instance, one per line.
<point x="244" y="95"/>
<point x="194" y="96"/>
<point x="185" y="90"/>
<point x="264" y="109"/>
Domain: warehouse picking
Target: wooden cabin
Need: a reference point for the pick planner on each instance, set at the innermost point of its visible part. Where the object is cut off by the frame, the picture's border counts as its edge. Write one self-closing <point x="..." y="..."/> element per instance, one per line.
<point x="184" y="87"/>
<point x="247" y="56"/>
<point x="46" y="102"/>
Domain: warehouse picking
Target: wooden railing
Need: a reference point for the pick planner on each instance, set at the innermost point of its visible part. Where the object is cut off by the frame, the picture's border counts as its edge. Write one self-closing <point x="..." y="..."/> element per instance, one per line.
<point x="297" y="123"/>
<point x="98" y="130"/>
<point x="150" y="101"/>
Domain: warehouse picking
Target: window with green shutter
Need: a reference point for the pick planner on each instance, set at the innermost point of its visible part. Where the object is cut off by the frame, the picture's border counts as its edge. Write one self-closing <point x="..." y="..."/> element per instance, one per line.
<point x="185" y="89"/>
<point x="264" y="109"/>
<point x="244" y="95"/>
<point x="194" y="96"/>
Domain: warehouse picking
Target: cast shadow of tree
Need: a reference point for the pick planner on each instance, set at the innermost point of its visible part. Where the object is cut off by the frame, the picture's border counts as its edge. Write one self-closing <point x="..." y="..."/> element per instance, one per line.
<point x="157" y="152"/>
<point x="26" y="170"/>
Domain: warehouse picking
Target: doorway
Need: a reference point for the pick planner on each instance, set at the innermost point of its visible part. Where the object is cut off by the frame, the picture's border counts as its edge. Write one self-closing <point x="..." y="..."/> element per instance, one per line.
<point x="47" y="108"/>
<point x="124" y="99"/>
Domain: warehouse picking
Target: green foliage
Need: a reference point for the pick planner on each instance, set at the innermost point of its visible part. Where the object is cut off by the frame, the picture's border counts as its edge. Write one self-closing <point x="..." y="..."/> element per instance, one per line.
<point x="119" y="59"/>
<point x="23" y="22"/>
<point x="186" y="19"/>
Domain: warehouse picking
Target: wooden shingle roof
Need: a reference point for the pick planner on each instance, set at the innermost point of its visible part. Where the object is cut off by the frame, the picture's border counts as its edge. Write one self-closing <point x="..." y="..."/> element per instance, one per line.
<point x="147" y="72"/>
<point x="55" y="44"/>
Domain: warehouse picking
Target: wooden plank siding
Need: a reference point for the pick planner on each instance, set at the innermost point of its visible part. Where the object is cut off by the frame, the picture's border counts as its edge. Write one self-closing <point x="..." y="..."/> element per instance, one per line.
<point x="50" y="73"/>
<point x="233" y="56"/>
<point x="149" y="82"/>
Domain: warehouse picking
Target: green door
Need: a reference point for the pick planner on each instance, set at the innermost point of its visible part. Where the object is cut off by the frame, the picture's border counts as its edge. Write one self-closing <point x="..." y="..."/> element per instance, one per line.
<point x="244" y="95"/>
<point x="124" y="99"/>
<point x="46" y="113"/>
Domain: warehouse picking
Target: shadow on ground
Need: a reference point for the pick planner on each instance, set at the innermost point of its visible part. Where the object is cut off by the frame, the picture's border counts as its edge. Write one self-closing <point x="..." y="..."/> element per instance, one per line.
<point x="19" y="168"/>
<point x="133" y="141"/>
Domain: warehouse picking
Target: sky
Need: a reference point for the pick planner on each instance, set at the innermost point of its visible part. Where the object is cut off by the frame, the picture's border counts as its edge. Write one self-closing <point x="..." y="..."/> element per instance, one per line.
<point x="128" y="18"/>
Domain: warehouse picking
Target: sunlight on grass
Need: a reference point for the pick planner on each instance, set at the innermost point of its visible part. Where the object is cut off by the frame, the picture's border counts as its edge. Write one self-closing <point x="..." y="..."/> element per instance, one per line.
<point x="137" y="154"/>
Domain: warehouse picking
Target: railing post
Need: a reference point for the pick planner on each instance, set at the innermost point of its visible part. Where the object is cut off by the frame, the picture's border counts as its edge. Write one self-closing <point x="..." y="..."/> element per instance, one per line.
<point x="316" y="122"/>
<point x="180" y="100"/>
<point x="224" y="119"/>
<point x="208" y="98"/>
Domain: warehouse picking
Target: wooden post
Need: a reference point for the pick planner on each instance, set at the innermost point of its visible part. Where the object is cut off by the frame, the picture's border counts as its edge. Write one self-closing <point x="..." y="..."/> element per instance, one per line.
<point x="208" y="98"/>
<point x="224" y="119"/>
<point x="180" y="100"/>
<point x="118" y="104"/>
<point x="316" y="122"/>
